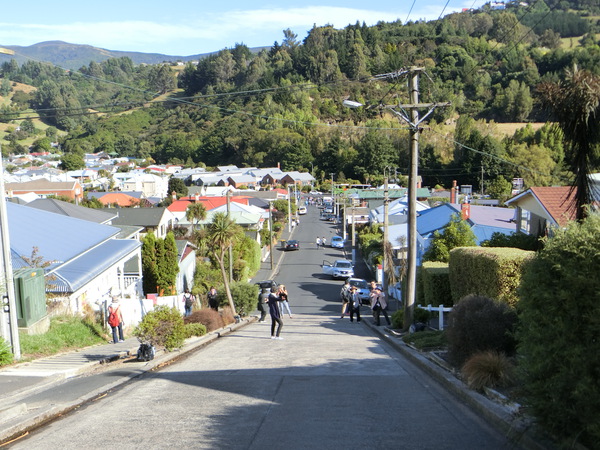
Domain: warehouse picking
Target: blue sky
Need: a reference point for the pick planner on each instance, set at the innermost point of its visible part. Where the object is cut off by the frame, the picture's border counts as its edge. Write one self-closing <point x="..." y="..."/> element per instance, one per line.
<point x="187" y="27"/>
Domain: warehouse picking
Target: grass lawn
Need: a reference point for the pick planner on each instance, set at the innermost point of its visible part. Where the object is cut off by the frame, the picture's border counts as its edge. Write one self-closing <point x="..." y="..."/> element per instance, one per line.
<point x="65" y="333"/>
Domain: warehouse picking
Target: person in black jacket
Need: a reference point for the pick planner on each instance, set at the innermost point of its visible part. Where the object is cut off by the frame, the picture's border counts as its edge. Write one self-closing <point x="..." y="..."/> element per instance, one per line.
<point x="262" y="299"/>
<point x="213" y="302"/>
<point x="273" y="301"/>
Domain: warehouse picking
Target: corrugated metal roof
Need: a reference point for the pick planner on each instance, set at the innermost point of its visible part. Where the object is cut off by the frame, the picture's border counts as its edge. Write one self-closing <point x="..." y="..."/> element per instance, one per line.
<point x="80" y="271"/>
<point x="57" y="237"/>
<point x="71" y="210"/>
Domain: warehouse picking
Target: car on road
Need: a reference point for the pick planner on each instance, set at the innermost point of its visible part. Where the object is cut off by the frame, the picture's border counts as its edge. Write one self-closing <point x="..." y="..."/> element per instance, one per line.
<point x="337" y="242"/>
<point x="292" y="244"/>
<point x="302" y="210"/>
<point x="341" y="268"/>
<point x="363" y="289"/>
<point x="268" y="284"/>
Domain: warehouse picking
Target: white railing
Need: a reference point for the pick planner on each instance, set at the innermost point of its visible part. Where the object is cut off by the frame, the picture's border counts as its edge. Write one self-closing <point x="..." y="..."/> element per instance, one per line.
<point x="439" y="309"/>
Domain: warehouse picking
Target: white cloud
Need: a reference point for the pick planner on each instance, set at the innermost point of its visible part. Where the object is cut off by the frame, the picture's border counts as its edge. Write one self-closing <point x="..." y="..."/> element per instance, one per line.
<point x="206" y="31"/>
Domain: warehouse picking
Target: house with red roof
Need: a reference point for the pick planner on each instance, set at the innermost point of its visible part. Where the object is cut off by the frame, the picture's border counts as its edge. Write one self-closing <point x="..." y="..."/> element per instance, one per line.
<point x="538" y="209"/>
<point x="179" y="206"/>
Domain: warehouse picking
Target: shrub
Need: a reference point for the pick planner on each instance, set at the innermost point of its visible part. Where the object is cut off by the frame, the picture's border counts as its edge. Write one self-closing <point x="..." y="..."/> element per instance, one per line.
<point x="478" y="324"/>
<point x="490" y="272"/>
<point x="427" y="340"/>
<point x="421" y="315"/>
<point x="227" y="315"/>
<point x="6" y="356"/>
<point x="488" y="369"/>
<point x="435" y="284"/>
<point x="208" y="317"/>
<point x="244" y="297"/>
<point x="558" y="338"/>
<point x="398" y="319"/>
<point x="162" y="327"/>
<point x="194" y="329"/>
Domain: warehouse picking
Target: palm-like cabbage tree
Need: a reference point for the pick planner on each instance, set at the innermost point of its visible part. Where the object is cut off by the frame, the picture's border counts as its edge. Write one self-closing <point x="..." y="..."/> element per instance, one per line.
<point x="575" y="101"/>
<point x="221" y="234"/>
<point x="194" y="213"/>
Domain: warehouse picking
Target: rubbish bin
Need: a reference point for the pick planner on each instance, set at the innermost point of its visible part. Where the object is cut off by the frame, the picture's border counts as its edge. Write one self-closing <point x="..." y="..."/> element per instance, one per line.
<point x="283" y="243"/>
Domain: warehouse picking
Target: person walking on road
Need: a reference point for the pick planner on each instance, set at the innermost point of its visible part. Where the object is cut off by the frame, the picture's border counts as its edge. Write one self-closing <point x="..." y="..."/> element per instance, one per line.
<point x="354" y="304"/>
<point x="115" y="319"/>
<point x="188" y="302"/>
<point x="318" y="243"/>
<point x="323" y="241"/>
<point x="379" y="306"/>
<point x="273" y="300"/>
<point x="262" y="299"/>
<point x="285" y="304"/>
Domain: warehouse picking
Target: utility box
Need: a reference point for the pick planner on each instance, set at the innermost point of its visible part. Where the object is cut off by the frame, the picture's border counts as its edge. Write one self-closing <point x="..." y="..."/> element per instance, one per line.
<point x="30" y="293"/>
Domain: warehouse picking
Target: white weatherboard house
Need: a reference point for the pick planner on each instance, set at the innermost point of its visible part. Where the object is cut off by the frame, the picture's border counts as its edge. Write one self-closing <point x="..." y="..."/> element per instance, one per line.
<point x="84" y="261"/>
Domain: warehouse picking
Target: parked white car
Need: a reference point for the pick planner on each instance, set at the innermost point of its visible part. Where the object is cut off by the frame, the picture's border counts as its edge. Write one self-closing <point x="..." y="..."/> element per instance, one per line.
<point x="363" y="289"/>
<point x="337" y="242"/>
<point x="341" y="268"/>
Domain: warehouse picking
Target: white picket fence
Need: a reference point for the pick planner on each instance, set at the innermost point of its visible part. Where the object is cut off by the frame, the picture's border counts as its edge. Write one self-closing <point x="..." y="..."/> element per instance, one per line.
<point x="440" y="310"/>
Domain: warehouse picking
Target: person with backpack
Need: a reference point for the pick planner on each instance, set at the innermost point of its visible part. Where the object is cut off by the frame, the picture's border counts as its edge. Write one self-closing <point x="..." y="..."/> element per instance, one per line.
<point x="188" y="302"/>
<point x="115" y="319"/>
<point x="345" y="295"/>
<point x="213" y="302"/>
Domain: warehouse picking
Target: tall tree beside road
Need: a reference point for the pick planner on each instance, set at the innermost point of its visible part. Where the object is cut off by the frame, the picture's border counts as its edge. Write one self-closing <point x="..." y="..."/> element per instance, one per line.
<point x="575" y="101"/>
<point x="221" y="233"/>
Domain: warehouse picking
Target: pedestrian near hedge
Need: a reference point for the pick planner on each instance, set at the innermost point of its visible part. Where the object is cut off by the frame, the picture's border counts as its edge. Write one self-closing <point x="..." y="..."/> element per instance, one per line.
<point x="115" y="320"/>
<point x="379" y="306"/>
<point x="213" y="301"/>
<point x="263" y="297"/>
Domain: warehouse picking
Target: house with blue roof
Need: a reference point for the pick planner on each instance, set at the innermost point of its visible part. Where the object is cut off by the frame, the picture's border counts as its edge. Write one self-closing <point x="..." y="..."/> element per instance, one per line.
<point x="85" y="261"/>
<point x="484" y="220"/>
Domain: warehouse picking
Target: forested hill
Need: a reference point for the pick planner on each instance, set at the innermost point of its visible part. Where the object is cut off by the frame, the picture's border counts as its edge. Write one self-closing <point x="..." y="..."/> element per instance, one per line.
<point x="73" y="56"/>
<point x="284" y="104"/>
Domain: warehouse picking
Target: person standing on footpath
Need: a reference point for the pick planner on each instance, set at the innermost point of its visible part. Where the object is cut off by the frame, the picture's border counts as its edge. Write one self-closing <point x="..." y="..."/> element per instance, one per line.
<point x="263" y="297"/>
<point x="188" y="302"/>
<point x="379" y="306"/>
<point x="354" y="304"/>
<point x="285" y="304"/>
<point x="115" y="319"/>
<point x="273" y="301"/>
<point x="213" y="302"/>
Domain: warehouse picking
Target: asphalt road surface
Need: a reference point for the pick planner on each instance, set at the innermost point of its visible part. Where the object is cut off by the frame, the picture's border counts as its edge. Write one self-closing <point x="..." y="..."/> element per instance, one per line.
<point x="329" y="384"/>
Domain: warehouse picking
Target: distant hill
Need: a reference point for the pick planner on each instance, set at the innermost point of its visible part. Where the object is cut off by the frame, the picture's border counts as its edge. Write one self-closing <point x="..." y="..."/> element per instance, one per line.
<point x="73" y="56"/>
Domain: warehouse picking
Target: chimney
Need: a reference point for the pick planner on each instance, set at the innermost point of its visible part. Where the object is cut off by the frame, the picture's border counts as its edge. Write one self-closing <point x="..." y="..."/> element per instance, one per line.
<point x="196" y="198"/>
<point x="174" y="195"/>
<point x="453" y="192"/>
<point x="279" y="165"/>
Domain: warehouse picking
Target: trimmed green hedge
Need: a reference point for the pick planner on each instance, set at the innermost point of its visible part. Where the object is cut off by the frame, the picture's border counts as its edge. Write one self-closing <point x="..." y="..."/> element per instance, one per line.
<point x="435" y="283"/>
<point x="493" y="272"/>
